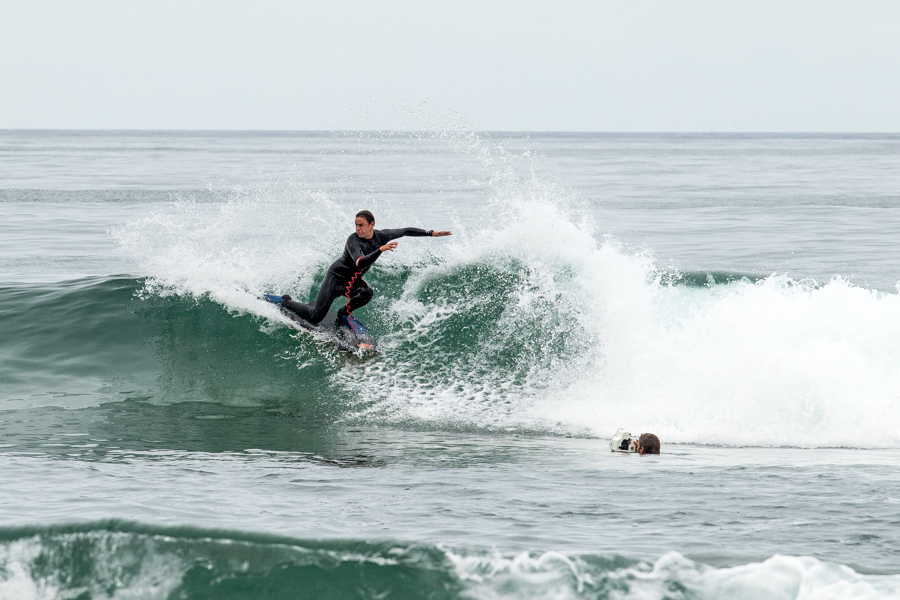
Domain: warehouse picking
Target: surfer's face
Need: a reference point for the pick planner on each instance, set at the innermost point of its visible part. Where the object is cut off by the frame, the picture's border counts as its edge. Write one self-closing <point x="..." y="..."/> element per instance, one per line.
<point x="364" y="229"/>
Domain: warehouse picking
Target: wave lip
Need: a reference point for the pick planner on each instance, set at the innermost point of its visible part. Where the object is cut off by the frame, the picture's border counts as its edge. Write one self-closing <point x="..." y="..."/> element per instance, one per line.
<point x="116" y="560"/>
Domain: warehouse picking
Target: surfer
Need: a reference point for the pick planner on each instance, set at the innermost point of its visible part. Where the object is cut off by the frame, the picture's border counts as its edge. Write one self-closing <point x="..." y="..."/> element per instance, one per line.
<point x="344" y="276"/>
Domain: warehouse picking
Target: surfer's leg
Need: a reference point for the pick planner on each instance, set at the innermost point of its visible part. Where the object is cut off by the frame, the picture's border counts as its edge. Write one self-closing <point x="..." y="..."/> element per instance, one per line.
<point x="304" y="310"/>
<point x="315" y="312"/>
<point x="360" y="295"/>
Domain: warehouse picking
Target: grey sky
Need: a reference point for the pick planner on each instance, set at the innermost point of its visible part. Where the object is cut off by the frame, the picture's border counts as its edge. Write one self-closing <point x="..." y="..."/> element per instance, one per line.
<point x="635" y="65"/>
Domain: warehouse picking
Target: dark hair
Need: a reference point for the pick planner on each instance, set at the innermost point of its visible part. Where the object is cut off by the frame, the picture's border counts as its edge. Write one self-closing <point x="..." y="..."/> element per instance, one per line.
<point x="649" y="443"/>
<point x="367" y="215"/>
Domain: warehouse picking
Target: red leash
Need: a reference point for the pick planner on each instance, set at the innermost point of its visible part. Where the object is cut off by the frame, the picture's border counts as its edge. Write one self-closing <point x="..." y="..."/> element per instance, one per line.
<point x="347" y="306"/>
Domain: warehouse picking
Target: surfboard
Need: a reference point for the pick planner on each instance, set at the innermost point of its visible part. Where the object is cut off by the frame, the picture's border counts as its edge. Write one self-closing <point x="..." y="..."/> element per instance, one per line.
<point x="350" y="336"/>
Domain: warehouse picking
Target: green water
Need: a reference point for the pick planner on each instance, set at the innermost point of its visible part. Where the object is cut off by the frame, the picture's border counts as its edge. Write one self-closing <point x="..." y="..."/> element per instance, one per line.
<point x="165" y="434"/>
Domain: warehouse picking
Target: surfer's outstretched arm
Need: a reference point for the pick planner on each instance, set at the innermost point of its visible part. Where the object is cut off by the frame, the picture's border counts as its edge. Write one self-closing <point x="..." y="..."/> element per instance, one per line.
<point x="393" y="234"/>
<point x="363" y="261"/>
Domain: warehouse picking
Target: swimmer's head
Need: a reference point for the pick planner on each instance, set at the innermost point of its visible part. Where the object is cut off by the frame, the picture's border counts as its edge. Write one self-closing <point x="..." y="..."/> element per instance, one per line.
<point x="648" y="444"/>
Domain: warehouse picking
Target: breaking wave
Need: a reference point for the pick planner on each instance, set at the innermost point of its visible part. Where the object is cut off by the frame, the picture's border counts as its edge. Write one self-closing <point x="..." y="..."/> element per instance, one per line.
<point x="540" y="323"/>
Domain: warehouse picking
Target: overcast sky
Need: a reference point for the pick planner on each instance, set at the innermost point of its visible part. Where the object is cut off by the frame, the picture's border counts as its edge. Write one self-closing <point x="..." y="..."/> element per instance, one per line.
<point x="634" y="65"/>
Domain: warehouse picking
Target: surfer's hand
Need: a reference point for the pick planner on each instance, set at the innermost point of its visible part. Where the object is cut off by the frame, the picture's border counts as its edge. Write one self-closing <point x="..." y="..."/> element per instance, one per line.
<point x="440" y="233"/>
<point x="389" y="246"/>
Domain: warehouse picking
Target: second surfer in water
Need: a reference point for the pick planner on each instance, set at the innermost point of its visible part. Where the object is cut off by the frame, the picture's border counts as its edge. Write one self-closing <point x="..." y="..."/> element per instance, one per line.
<point x="344" y="276"/>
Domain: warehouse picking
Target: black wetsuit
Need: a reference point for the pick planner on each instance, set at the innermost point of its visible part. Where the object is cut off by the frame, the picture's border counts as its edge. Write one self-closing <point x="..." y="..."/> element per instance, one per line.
<point x="344" y="276"/>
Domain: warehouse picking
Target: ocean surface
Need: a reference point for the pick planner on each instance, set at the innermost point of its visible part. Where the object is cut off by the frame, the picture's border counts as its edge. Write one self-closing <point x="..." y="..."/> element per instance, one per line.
<point x="165" y="434"/>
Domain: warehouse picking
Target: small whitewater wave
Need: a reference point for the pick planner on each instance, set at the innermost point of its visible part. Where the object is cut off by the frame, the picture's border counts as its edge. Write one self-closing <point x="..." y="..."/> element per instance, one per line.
<point x="123" y="560"/>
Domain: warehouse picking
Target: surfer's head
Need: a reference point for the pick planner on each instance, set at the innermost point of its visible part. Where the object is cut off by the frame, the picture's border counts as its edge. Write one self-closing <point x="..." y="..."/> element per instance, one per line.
<point x="648" y="444"/>
<point x="365" y="224"/>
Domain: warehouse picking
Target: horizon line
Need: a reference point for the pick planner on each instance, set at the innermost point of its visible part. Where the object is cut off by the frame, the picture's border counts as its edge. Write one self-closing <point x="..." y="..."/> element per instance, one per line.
<point x="412" y="131"/>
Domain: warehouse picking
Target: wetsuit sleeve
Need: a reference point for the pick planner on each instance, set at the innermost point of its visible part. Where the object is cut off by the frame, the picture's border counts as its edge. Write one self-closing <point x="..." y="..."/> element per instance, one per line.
<point x="362" y="261"/>
<point x="393" y="234"/>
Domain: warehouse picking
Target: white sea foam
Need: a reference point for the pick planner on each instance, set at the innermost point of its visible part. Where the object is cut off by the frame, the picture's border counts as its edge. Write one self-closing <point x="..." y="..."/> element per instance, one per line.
<point x="557" y="576"/>
<point x="770" y="363"/>
<point x="115" y="571"/>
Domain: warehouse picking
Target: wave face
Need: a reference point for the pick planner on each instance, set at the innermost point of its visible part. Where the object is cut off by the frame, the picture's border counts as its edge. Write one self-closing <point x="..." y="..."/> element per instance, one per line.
<point x="83" y="343"/>
<point x="120" y="560"/>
